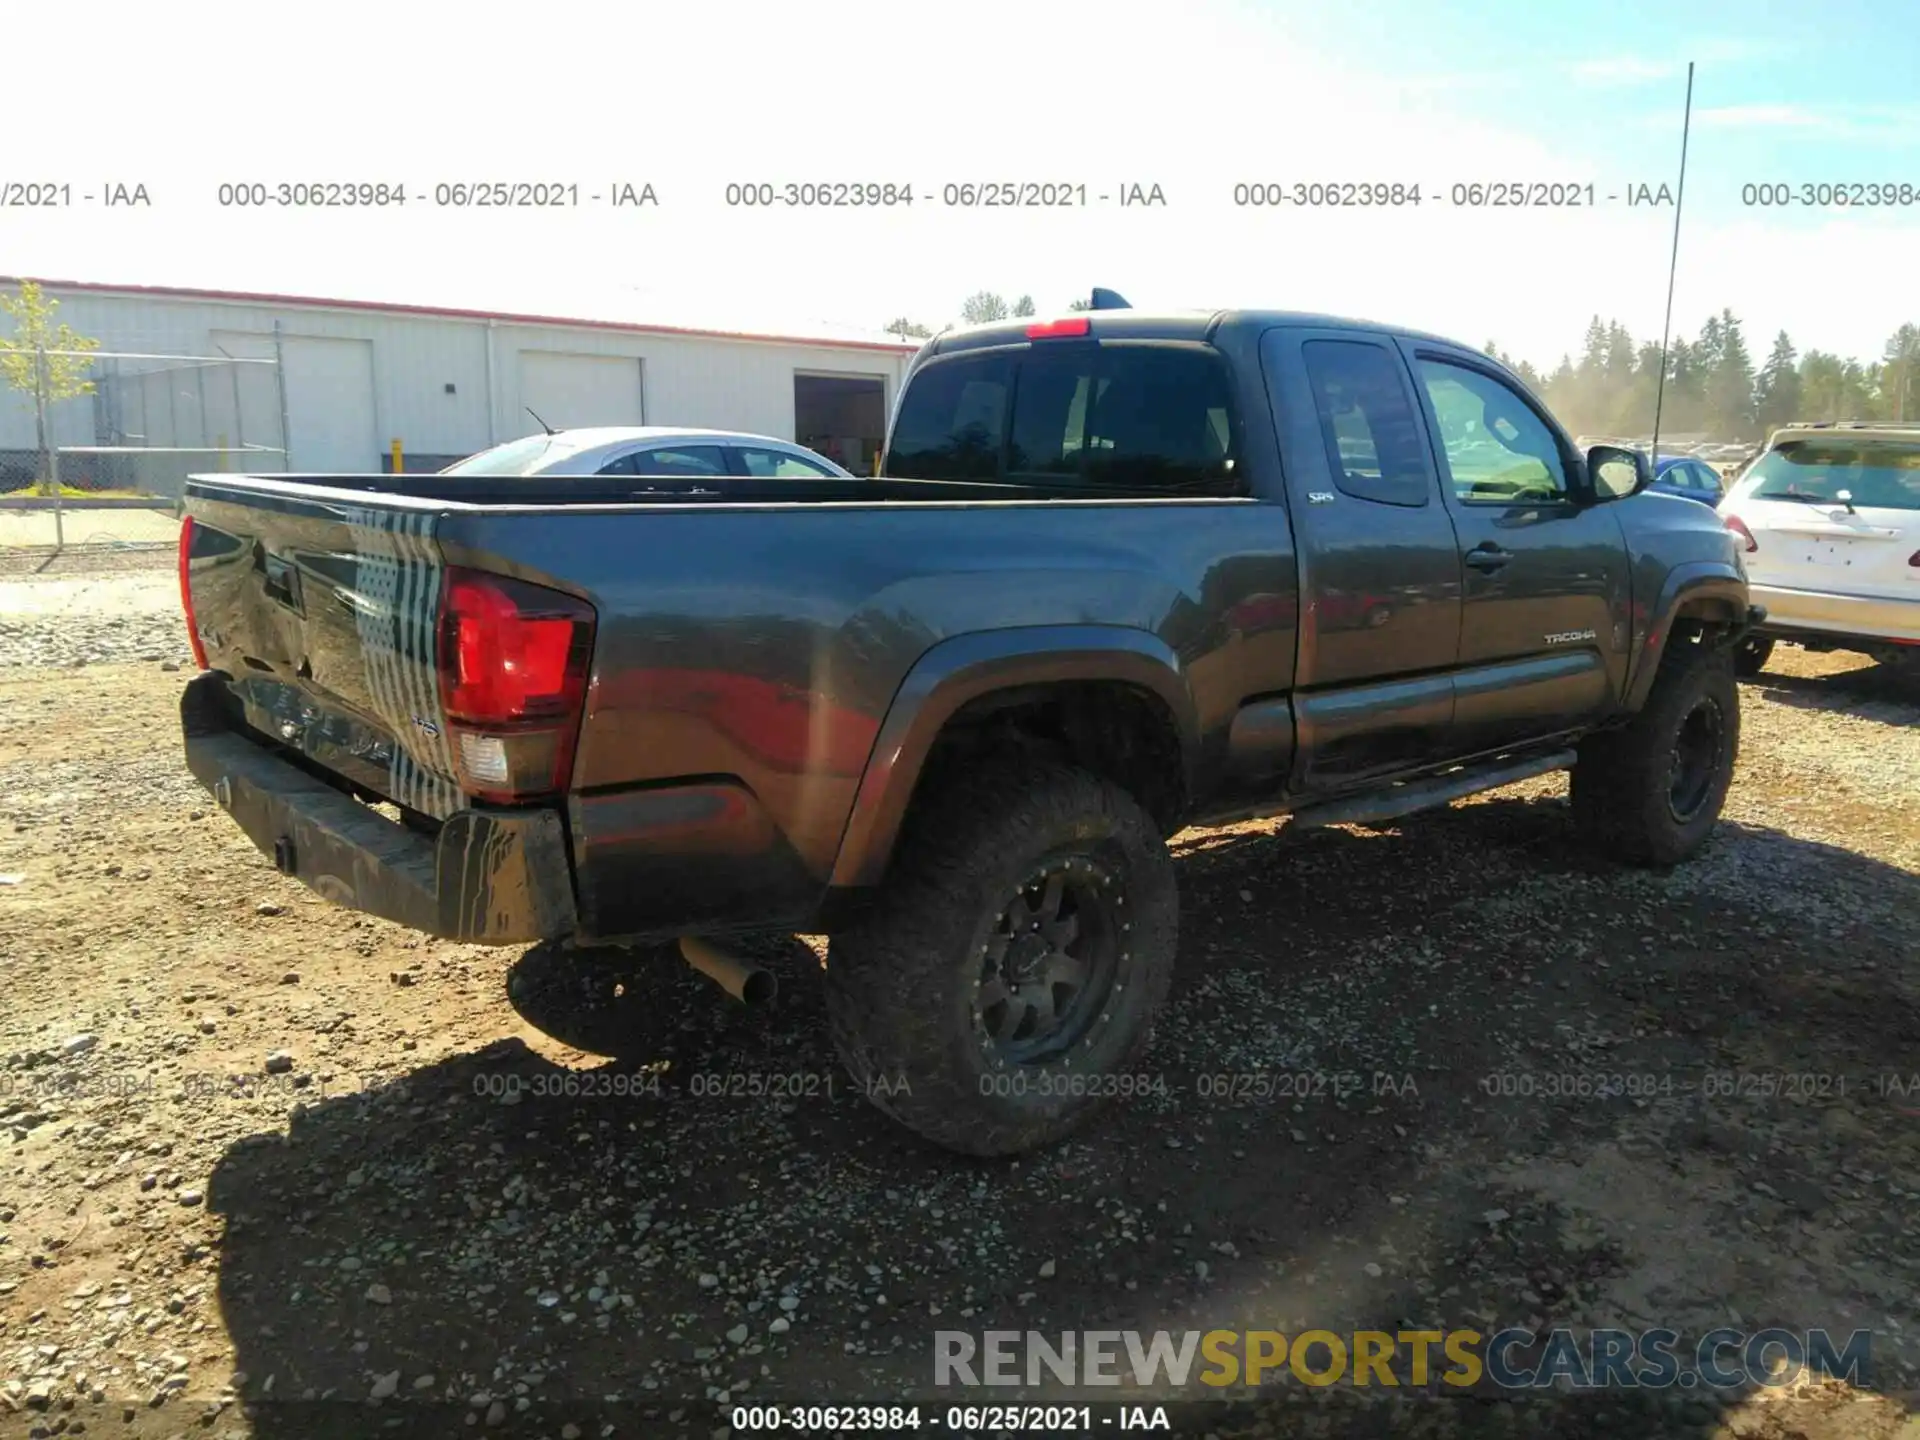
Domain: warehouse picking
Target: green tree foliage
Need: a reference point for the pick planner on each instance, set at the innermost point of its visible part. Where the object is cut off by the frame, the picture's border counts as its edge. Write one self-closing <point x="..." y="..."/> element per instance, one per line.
<point x="908" y="329"/>
<point x="982" y="307"/>
<point x="1729" y="409"/>
<point x="30" y="361"/>
<point x="1900" y="373"/>
<point x="1777" y="390"/>
<point x="1833" y="388"/>
<point x="1023" y="307"/>
<point x="1713" y="387"/>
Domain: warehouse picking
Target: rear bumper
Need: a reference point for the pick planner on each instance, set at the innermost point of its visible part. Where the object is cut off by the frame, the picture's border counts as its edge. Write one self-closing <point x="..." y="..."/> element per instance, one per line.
<point x="489" y="877"/>
<point x="1864" y="617"/>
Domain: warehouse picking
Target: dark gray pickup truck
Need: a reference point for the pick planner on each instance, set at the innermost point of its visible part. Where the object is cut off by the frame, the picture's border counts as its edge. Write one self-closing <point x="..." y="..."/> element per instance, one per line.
<point x="1120" y="573"/>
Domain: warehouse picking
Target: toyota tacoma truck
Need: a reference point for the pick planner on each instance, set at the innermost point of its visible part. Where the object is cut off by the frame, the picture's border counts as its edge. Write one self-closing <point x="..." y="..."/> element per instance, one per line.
<point x="1120" y="573"/>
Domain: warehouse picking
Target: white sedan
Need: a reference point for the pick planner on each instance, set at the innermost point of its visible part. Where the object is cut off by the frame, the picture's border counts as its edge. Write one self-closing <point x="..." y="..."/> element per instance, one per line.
<point x="1829" y="520"/>
<point x="651" y="450"/>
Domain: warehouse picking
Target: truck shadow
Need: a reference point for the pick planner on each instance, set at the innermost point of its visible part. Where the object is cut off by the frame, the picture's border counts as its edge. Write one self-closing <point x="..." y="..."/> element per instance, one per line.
<point x="712" y="1213"/>
<point x="644" y="1002"/>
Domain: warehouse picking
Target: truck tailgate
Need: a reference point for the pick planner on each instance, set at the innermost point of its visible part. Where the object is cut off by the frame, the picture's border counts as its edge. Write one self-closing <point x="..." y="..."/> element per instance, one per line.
<point x="323" y="612"/>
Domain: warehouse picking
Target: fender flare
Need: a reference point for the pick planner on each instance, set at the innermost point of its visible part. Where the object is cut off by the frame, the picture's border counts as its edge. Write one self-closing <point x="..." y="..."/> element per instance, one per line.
<point x="964" y="668"/>
<point x="1713" y="582"/>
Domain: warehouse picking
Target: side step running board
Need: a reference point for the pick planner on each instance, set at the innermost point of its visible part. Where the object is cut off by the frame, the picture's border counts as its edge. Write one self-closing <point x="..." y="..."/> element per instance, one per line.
<point x="1417" y="795"/>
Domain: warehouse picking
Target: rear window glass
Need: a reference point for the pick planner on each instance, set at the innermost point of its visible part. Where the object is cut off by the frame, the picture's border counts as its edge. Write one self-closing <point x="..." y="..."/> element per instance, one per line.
<point x="517" y="457"/>
<point x="952" y="421"/>
<point x="1882" y="475"/>
<point x="1103" y="417"/>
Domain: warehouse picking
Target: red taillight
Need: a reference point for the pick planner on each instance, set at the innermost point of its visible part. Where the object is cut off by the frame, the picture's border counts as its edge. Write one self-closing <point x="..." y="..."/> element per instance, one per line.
<point x="510" y="664"/>
<point x="1055" y="329"/>
<point x="513" y="681"/>
<point x="1914" y="559"/>
<point x="186" y="592"/>
<point x="1739" y="527"/>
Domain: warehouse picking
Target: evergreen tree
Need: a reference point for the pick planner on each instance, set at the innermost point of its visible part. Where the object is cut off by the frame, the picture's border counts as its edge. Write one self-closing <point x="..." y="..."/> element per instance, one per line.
<point x="1684" y="408"/>
<point x="1777" y="390"/>
<point x="1712" y="385"/>
<point x="1707" y="349"/>
<point x="1729" y="387"/>
<point x="1833" y="389"/>
<point x="1593" y="350"/>
<point x="1620" y="357"/>
<point x="1900" y="374"/>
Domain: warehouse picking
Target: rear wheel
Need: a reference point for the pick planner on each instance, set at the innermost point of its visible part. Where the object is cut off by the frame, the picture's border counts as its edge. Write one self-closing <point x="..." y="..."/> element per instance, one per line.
<point x="1011" y="968"/>
<point x="1751" y="654"/>
<point x="1651" y="793"/>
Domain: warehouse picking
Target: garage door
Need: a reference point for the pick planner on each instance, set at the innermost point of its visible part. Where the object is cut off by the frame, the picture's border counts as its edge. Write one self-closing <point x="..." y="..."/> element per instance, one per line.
<point x="568" y="391"/>
<point x="330" y="410"/>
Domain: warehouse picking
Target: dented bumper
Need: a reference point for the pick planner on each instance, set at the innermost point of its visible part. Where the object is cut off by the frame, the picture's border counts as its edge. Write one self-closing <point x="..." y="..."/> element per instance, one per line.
<point x="488" y="877"/>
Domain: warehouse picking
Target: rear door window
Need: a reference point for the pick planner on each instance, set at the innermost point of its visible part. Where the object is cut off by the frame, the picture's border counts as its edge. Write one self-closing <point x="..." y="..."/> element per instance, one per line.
<point x="778" y="464"/>
<point x="1376" y="443"/>
<point x="1101" y="417"/>
<point x="682" y="461"/>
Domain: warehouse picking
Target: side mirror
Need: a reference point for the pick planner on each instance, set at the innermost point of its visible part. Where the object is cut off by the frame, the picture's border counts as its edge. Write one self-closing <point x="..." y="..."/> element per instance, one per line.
<point x="1615" y="472"/>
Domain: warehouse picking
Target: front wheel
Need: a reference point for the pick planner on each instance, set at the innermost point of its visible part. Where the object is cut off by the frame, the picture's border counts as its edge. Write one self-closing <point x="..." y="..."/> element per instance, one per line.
<point x="1011" y="968"/>
<point x="1751" y="654"/>
<point x="1651" y="793"/>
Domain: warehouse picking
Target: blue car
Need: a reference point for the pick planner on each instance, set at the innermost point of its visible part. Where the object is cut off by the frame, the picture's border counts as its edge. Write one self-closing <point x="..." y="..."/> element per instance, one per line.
<point x="1688" y="478"/>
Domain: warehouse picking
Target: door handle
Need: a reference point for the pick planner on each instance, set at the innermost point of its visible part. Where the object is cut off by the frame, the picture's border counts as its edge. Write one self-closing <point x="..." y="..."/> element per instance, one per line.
<point x="1488" y="557"/>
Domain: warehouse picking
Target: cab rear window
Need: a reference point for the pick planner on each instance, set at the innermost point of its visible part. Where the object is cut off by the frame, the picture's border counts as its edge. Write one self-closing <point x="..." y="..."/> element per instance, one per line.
<point x="1154" y="418"/>
<point x="1882" y="475"/>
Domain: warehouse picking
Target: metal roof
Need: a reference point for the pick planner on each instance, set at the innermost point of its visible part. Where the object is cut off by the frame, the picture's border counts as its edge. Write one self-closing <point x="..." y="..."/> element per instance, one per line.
<point x="247" y="297"/>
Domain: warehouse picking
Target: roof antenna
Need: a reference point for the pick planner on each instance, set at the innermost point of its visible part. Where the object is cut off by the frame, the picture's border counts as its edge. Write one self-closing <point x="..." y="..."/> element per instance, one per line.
<point x="1108" y="300"/>
<point x="543" y="424"/>
<point x="1673" y="265"/>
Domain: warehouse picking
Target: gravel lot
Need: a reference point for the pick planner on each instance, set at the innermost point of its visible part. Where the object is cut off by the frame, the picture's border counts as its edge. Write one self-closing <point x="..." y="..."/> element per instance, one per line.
<point x="261" y="1177"/>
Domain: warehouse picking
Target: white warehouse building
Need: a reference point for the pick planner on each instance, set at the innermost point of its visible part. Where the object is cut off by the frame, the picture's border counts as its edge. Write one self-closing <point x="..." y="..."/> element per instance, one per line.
<point x="354" y="381"/>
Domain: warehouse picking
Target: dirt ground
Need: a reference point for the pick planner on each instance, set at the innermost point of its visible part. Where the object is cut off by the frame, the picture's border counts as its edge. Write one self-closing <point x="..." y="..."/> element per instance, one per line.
<point x="261" y="1173"/>
<point x="87" y="526"/>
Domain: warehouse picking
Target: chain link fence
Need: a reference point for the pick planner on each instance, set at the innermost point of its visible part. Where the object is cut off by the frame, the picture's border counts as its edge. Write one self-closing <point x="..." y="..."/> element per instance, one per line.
<point x="77" y="468"/>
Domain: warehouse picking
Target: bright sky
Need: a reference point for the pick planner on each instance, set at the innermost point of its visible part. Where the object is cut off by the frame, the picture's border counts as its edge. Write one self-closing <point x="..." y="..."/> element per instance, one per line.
<point x="1192" y="95"/>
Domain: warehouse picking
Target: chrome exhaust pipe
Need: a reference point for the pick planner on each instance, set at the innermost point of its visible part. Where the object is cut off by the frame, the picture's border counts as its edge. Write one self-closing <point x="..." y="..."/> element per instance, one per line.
<point x="740" y="978"/>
